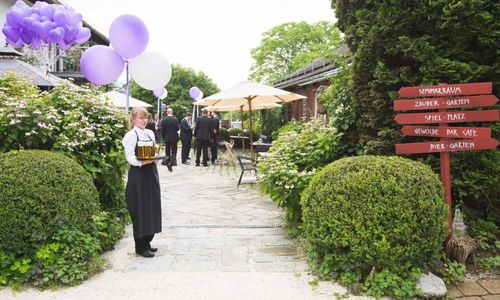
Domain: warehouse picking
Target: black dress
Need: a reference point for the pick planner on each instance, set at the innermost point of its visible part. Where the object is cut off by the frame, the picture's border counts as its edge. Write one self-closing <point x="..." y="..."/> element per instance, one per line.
<point x="144" y="200"/>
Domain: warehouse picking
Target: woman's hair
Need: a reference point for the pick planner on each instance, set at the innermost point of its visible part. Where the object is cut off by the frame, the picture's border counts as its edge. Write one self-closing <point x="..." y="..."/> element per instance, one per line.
<point x="134" y="113"/>
<point x="150" y="117"/>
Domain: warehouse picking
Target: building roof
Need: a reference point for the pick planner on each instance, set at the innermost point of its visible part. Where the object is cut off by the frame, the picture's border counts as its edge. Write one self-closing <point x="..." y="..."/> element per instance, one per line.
<point x="319" y="70"/>
<point x="39" y="77"/>
<point x="9" y="51"/>
<point x="96" y="35"/>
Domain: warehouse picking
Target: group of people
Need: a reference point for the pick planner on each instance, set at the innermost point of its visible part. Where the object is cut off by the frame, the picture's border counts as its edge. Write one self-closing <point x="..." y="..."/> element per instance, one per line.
<point x="143" y="185"/>
<point x="171" y="130"/>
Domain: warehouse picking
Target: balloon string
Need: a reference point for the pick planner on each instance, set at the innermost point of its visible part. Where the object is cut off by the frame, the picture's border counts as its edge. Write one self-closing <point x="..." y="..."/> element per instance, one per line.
<point x="128" y="88"/>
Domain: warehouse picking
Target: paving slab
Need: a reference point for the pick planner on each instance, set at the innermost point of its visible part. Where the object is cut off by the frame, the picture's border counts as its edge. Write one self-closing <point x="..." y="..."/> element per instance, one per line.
<point x="492" y="286"/>
<point x="471" y="289"/>
<point x="454" y="292"/>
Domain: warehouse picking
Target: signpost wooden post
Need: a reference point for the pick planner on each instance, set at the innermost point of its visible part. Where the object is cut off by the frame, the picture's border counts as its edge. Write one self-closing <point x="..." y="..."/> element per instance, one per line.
<point x="443" y="97"/>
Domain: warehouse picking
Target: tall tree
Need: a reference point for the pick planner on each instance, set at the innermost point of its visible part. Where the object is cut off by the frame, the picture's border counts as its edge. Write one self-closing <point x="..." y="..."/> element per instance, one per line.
<point x="407" y="43"/>
<point x="287" y="47"/>
<point x="178" y="89"/>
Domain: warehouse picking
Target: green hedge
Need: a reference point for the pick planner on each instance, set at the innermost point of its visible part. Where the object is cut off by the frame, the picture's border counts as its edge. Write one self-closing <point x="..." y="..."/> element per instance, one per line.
<point x="69" y="120"/>
<point x="41" y="190"/>
<point x="367" y="214"/>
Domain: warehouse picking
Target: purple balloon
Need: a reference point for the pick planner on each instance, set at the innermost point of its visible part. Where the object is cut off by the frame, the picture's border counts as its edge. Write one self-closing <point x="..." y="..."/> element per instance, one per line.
<point x="11" y="33"/>
<point x="128" y="36"/>
<point x="163" y="106"/>
<point x="27" y="22"/>
<point x="15" y="17"/>
<point x="47" y="11"/>
<point x="60" y="17"/>
<point x="194" y="92"/>
<point x="42" y="28"/>
<point x="158" y="92"/>
<point x="26" y="36"/>
<point x="11" y="20"/>
<point x="74" y="18"/>
<point x="83" y="35"/>
<point x="56" y="35"/>
<point x="101" y="64"/>
<point x="70" y="32"/>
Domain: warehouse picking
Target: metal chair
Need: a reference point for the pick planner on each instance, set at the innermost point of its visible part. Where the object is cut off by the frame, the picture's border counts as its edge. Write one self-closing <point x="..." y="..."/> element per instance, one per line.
<point x="246" y="164"/>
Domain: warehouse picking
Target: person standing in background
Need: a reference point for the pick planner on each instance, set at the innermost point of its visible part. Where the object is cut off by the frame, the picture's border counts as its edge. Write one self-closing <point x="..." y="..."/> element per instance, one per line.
<point x="203" y="132"/>
<point x="169" y="129"/>
<point x="215" y="135"/>
<point x="186" y="136"/>
<point x="157" y="130"/>
<point x="150" y="125"/>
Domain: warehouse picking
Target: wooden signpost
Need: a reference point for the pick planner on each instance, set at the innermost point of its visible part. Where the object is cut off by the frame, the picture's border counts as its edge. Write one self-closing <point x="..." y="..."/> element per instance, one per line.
<point x="443" y="97"/>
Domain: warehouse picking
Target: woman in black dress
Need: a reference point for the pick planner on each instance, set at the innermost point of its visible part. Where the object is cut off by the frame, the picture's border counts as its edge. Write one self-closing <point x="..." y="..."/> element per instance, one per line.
<point x="143" y="185"/>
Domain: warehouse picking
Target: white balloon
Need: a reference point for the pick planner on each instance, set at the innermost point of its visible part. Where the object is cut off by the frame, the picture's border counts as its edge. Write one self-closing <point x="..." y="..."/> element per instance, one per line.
<point x="164" y="95"/>
<point x="150" y="70"/>
<point x="200" y="96"/>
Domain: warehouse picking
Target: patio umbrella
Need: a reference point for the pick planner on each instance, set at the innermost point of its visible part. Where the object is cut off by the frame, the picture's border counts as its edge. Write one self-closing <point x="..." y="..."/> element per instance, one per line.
<point x="119" y="99"/>
<point x="242" y="108"/>
<point x="249" y="93"/>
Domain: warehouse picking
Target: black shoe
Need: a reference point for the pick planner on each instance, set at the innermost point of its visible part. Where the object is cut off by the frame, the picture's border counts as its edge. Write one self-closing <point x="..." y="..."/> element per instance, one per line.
<point x="153" y="249"/>
<point x="197" y="165"/>
<point x="169" y="167"/>
<point x="185" y="163"/>
<point x="205" y="165"/>
<point x="146" y="253"/>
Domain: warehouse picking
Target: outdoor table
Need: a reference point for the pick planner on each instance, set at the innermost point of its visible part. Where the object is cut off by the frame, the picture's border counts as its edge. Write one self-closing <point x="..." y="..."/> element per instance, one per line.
<point x="261" y="147"/>
<point x="238" y="142"/>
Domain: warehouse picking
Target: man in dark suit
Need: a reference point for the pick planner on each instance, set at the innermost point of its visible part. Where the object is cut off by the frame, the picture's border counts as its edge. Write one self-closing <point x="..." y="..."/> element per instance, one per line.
<point x="186" y="135"/>
<point x="169" y="128"/>
<point x="203" y="132"/>
<point x="215" y="144"/>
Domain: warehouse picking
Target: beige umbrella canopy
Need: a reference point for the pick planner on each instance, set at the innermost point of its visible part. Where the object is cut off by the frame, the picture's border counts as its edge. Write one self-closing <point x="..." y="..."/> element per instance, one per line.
<point x="250" y="94"/>
<point x="119" y="99"/>
<point x="243" y="107"/>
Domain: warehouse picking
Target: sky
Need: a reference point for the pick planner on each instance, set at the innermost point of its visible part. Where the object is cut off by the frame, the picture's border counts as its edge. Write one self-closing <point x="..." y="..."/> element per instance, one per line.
<point x="213" y="36"/>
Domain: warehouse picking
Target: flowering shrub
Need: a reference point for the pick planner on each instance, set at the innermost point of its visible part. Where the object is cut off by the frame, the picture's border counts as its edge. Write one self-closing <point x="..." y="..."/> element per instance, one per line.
<point x="297" y="157"/>
<point x="69" y="120"/>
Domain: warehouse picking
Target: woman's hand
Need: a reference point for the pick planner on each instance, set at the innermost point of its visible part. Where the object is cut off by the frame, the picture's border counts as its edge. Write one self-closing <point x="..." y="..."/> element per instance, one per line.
<point x="147" y="162"/>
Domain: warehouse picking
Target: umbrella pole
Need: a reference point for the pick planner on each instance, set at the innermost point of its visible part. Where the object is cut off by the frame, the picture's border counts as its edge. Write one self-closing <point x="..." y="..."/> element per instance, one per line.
<point x="250" y="125"/>
<point x="242" y="132"/>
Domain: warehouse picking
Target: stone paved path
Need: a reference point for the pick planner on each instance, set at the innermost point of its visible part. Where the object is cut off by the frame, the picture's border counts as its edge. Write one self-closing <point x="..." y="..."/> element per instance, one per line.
<point x="218" y="242"/>
<point x="484" y="290"/>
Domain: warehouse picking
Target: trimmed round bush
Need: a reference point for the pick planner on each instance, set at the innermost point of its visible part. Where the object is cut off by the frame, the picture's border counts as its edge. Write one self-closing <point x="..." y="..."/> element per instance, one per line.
<point x="369" y="213"/>
<point x="40" y="191"/>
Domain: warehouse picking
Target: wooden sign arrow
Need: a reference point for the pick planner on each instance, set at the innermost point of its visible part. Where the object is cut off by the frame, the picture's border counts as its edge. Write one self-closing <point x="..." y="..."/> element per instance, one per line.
<point x="435" y="103"/>
<point x="446" y="146"/>
<point x="449" y="117"/>
<point x="447" y="90"/>
<point x="448" y="132"/>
